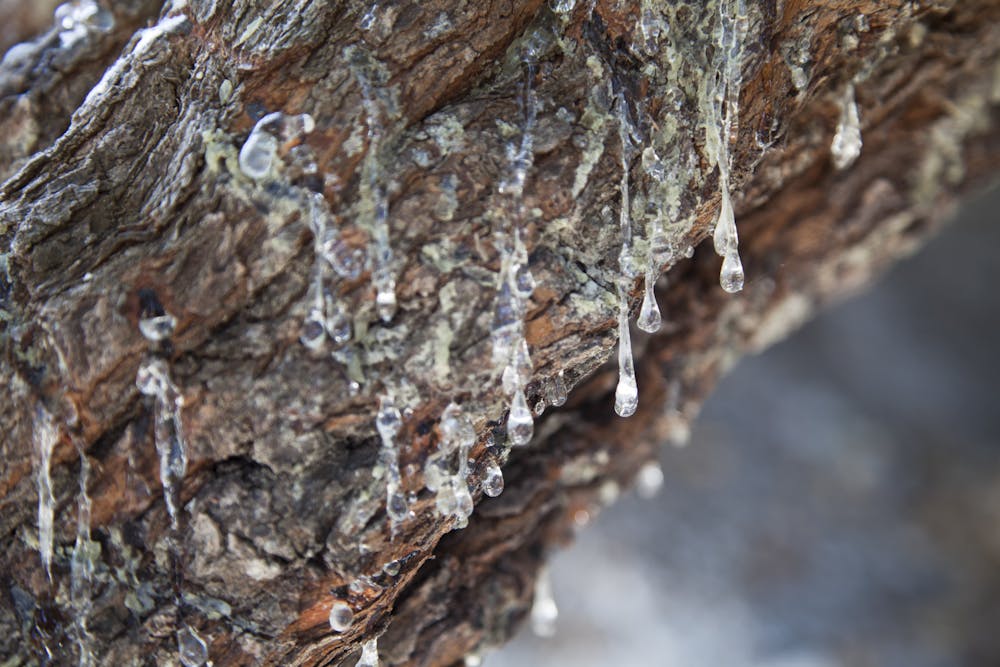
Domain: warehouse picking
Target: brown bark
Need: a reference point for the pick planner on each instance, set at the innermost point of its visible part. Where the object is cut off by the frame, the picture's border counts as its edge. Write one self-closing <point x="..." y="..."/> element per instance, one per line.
<point x="134" y="189"/>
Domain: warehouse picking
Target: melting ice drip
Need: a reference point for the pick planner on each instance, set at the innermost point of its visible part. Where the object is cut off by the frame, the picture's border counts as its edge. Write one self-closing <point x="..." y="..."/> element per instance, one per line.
<point x="442" y="476"/>
<point x="388" y="422"/>
<point x="722" y="126"/>
<point x="846" y="145"/>
<point x="328" y="317"/>
<point x="627" y="392"/>
<point x="45" y="436"/>
<point x="374" y="198"/>
<point x="510" y="348"/>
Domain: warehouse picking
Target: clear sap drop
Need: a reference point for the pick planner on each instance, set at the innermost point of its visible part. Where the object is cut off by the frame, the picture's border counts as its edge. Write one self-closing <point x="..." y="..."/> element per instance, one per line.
<point x="520" y="425"/>
<point x="649" y="319"/>
<point x="627" y="392"/>
<point x="731" y="276"/>
<point x="191" y="648"/>
<point x="492" y="479"/>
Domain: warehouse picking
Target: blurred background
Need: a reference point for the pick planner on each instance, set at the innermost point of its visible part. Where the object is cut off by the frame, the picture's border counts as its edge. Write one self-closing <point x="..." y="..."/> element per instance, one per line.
<point x="838" y="504"/>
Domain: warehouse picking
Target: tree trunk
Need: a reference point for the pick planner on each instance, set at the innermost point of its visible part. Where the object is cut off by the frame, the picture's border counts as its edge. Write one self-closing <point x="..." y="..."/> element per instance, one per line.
<point x="126" y="197"/>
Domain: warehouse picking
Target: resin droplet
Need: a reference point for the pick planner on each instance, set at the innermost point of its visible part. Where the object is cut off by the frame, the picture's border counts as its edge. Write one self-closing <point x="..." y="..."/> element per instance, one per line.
<point x="544" y="612"/>
<point x="369" y="654"/>
<point x="846" y="145"/>
<point x="341" y="616"/>
<point x="191" y="648"/>
<point x="492" y="479"/>
<point x="731" y="277"/>
<point x="627" y="392"/>
<point x="649" y="319"/>
<point x="520" y="425"/>
<point x="258" y="154"/>
<point x="388" y="422"/>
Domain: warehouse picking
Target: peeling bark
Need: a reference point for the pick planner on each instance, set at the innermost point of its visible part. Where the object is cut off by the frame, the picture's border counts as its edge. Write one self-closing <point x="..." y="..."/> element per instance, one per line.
<point x="122" y="184"/>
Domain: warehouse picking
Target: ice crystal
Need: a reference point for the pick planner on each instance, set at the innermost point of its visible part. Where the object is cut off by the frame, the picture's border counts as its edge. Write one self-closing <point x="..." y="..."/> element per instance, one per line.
<point x="445" y="476"/>
<point x="492" y="478"/>
<point x="627" y="393"/>
<point x="153" y="379"/>
<point x="82" y="567"/>
<point x="78" y="19"/>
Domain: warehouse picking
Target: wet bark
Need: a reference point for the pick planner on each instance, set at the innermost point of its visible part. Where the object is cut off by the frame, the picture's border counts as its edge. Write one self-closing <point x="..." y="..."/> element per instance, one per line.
<point x="121" y="184"/>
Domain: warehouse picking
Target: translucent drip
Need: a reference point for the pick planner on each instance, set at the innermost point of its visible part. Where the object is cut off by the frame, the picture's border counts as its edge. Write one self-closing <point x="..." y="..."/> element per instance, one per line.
<point x="649" y="319"/>
<point x="191" y="648"/>
<point x="723" y="128"/>
<point x="369" y="654"/>
<point x="492" y="479"/>
<point x="341" y="616"/>
<point x="846" y="145"/>
<point x="627" y="392"/>
<point x="375" y="200"/>
<point x="448" y="479"/>
<point x="544" y="612"/>
<point x="516" y="283"/>
<point x="82" y="568"/>
<point x="45" y="437"/>
<point x="563" y="6"/>
<point x="259" y="152"/>
<point x="327" y="316"/>
<point x="388" y="422"/>
<point x="153" y="379"/>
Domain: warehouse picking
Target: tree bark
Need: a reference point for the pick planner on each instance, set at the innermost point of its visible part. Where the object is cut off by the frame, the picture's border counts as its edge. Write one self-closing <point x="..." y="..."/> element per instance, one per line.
<point x="123" y="193"/>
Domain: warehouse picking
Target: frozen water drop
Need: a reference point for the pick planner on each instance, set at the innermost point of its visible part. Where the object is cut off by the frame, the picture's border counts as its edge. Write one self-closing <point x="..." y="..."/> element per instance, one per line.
<point x="520" y="425"/>
<point x="539" y="408"/>
<point x="369" y="654"/>
<point x="492" y="479"/>
<point x="152" y="377"/>
<point x="731" y="276"/>
<point x="563" y="6"/>
<point x="157" y="328"/>
<point x="385" y="303"/>
<point x="649" y="481"/>
<point x="191" y="648"/>
<point x="341" y="616"/>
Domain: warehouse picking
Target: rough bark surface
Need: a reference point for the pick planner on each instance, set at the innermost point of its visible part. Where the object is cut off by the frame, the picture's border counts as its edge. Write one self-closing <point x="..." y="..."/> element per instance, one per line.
<point x="118" y="154"/>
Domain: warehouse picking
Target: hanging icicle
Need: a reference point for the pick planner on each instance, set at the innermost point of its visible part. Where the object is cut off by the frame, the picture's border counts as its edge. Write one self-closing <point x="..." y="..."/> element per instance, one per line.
<point x="82" y="567"/>
<point x="45" y="436"/>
